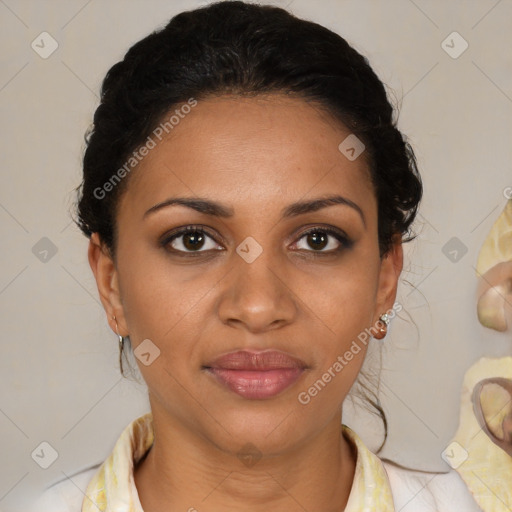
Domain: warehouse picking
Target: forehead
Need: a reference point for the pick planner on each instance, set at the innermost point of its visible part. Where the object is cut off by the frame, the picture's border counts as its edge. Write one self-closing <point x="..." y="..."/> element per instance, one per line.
<point x="263" y="149"/>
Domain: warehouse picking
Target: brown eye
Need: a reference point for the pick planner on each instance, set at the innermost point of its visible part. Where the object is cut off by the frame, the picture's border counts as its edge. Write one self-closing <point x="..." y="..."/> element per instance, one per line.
<point x="193" y="241"/>
<point x="317" y="240"/>
<point x="320" y="238"/>
<point x="190" y="240"/>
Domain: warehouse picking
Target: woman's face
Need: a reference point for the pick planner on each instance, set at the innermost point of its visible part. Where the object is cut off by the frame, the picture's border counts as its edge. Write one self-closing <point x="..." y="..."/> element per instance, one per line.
<point x="255" y="280"/>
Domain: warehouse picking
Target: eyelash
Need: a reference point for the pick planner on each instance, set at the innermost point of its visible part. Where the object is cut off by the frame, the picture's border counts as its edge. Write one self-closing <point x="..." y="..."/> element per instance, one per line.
<point x="345" y="242"/>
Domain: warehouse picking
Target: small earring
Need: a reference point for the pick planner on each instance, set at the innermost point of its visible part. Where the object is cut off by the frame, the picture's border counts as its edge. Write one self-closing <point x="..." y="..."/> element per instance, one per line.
<point x="121" y="345"/>
<point x="383" y="326"/>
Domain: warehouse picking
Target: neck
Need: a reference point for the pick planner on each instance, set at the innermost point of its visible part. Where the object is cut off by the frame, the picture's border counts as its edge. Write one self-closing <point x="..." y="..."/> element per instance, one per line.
<point x="185" y="471"/>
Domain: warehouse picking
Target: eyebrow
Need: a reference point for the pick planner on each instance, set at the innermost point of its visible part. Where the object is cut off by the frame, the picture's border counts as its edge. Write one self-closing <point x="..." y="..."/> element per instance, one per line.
<point x="209" y="207"/>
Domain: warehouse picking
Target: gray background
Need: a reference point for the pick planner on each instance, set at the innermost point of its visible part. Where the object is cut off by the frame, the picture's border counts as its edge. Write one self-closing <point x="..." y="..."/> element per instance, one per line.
<point x="60" y="377"/>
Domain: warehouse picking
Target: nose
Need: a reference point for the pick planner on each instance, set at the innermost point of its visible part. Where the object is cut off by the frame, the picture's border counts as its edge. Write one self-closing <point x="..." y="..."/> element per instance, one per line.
<point x="257" y="295"/>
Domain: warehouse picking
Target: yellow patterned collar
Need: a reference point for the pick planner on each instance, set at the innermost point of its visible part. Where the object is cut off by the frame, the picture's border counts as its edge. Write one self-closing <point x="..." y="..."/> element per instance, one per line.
<point x="112" y="488"/>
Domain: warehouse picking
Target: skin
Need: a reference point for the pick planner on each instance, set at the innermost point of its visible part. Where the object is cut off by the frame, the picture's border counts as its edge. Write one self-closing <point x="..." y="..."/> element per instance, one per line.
<point x="257" y="156"/>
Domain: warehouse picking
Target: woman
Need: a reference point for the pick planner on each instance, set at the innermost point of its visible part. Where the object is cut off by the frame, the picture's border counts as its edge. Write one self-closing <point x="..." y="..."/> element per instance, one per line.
<point x="246" y="194"/>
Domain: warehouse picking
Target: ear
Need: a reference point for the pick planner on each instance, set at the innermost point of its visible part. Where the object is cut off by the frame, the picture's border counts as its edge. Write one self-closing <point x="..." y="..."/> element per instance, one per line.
<point x="492" y="405"/>
<point x="107" y="281"/>
<point x="390" y="269"/>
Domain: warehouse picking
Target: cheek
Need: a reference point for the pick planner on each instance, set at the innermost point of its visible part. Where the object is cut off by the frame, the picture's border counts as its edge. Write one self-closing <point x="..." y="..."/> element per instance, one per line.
<point x="339" y="347"/>
<point x="341" y="310"/>
<point x="162" y="305"/>
<point x="160" y="299"/>
<point x="350" y="301"/>
<point x="340" y="299"/>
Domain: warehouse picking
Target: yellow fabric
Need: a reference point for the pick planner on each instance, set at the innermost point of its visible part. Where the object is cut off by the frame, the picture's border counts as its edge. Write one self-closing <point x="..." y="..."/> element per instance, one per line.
<point x="112" y="489"/>
<point x="487" y="470"/>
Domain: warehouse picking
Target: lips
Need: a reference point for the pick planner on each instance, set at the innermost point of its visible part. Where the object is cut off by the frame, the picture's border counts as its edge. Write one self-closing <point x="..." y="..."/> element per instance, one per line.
<point x="256" y="375"/>
<point x="256" y="360"/>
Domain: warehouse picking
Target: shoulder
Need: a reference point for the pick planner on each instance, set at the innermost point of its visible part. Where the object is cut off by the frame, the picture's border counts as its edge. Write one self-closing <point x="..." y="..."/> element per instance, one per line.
<point x="415" y="491"/>
<point x="65" y="495"/>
